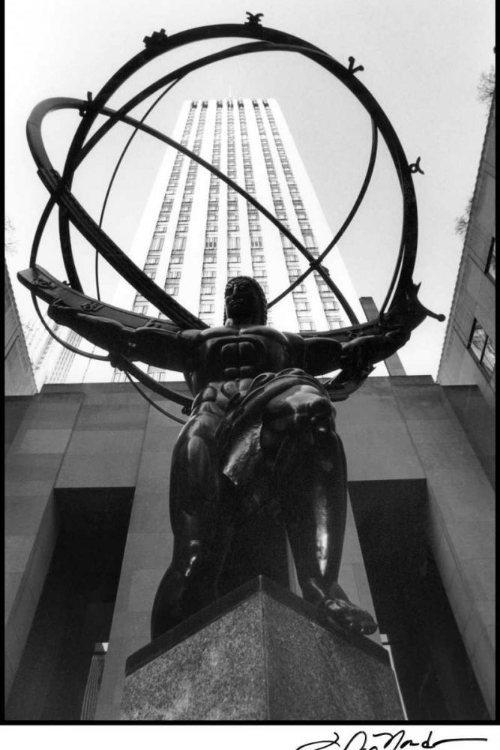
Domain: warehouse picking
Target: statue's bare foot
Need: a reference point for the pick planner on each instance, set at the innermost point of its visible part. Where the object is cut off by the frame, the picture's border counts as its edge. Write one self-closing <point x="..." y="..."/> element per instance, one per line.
<point x="346" y="615"/>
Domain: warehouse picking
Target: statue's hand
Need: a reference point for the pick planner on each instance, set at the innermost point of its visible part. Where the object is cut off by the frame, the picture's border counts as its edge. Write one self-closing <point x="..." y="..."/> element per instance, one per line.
<point x="360" y="353"/>
<point x="62" y="313"/>
<point x="363" y="352"/>
<point x="396" y="336"/>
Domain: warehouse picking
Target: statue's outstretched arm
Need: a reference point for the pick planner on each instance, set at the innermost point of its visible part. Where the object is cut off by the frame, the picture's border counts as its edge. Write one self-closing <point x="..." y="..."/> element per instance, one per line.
<point x="321" y="355"/>
<point x="151" y="344"/>
<point x="324" y="354"/>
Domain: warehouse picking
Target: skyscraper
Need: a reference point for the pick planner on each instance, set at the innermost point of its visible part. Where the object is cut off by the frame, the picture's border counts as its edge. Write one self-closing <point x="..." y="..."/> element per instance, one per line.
<point x="196" y="231"/>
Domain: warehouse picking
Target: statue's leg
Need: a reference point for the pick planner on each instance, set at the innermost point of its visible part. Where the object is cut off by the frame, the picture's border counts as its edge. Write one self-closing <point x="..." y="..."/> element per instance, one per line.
<point x="299" y="435"/>
<point x="202" y="532"/>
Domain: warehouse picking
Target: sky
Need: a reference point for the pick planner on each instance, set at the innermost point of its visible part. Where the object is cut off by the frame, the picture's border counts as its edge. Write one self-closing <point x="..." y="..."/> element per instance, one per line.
<point x="422" y="62"/>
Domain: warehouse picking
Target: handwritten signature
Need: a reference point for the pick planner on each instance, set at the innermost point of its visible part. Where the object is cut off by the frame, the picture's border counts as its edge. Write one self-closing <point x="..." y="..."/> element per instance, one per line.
<point x="393" y="741"/>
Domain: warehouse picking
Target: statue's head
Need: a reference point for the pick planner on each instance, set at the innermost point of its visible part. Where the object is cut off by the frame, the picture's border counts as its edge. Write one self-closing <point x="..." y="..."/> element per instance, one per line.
<point x="245" y="298"/>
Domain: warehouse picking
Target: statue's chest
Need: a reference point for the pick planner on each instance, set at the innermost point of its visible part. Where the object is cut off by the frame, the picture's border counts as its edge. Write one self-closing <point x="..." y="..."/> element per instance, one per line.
<point x="242" y="359"/>
<point x="246" y="356"/>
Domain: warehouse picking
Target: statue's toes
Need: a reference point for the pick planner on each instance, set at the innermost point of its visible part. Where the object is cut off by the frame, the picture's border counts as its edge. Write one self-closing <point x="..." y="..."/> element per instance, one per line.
<point x="349" y="618"/>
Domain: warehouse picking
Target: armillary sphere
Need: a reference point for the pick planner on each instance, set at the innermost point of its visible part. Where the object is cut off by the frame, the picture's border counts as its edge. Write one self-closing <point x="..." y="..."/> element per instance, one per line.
<point x="401" y="306"/>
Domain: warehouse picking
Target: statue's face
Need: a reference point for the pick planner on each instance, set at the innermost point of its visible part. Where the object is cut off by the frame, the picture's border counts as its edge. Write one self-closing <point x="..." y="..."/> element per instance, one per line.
<point x="242" y="300"/>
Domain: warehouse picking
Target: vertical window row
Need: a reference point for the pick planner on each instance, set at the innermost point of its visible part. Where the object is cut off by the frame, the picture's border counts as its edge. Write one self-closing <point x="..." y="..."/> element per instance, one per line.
<point x="482" y="349"/>
<point x="156" y="246"/>
<point x="174" y="271"/>
<point x="206" y="306"/>
<point x="490" y="269"/>
<point x="256" y="242"/>
<point x="328" y="299"/>
<point x="233" y="219"/>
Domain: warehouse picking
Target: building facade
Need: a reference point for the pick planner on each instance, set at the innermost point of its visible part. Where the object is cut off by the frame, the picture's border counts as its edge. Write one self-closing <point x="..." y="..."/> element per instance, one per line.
<point x="19" y="376"/>
<point x="468" y="356"/>
<point x="89" y="538"/>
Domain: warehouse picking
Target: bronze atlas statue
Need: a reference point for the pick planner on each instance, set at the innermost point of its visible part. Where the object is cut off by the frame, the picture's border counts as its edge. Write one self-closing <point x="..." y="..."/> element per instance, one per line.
<point x="261" y="425"/>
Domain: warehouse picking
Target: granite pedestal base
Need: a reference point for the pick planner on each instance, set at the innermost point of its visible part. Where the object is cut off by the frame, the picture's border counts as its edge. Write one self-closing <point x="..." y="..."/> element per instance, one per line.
<point x="260" y="654"/>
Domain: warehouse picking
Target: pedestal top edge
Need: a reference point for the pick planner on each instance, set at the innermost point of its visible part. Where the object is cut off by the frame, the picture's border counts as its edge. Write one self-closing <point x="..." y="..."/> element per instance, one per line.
<point x="219" y="608"/>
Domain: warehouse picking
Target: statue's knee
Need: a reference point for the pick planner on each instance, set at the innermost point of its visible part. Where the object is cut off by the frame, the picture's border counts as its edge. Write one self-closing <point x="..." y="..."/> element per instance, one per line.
<point x="308" y="417"/>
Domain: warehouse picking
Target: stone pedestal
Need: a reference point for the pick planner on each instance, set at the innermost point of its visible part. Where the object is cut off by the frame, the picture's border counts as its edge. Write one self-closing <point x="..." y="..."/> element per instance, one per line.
<point x="260" y="654"/>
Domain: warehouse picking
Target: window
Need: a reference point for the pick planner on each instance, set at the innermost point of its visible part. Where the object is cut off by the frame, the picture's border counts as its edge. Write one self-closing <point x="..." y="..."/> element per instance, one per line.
<point x="233" y="243"/>
<point x="172" y="290"/>
<point x="173" y="275"/>
<point x="306" y="325"/>
<point x="234" y="258"/>
<point x="158" y="375"/>
<point x="156" y="243"/>
<point x="491" y="262"/>
<point x="179" y="243"/>
<point x="207" y="308"/>
<point x="482" y="349"/>
<point x="334" y="323"/>
<point x="330" y="304"/>
<point x="207" y="291"/>
<point x="302" y="306"/>
<point x="152" y="261"/>
<point x="142" y="309"/>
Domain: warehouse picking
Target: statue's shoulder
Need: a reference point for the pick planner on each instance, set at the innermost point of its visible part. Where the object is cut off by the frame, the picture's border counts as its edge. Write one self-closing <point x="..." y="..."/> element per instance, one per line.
<point x="265" y="332"/>
<point x="295" y="344"/>
<point x="294" y="338"/>
<point x="214" y="332"/>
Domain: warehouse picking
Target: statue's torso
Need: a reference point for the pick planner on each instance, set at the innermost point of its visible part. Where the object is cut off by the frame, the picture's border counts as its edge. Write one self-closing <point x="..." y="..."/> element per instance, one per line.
<point x="230" y="354"/>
